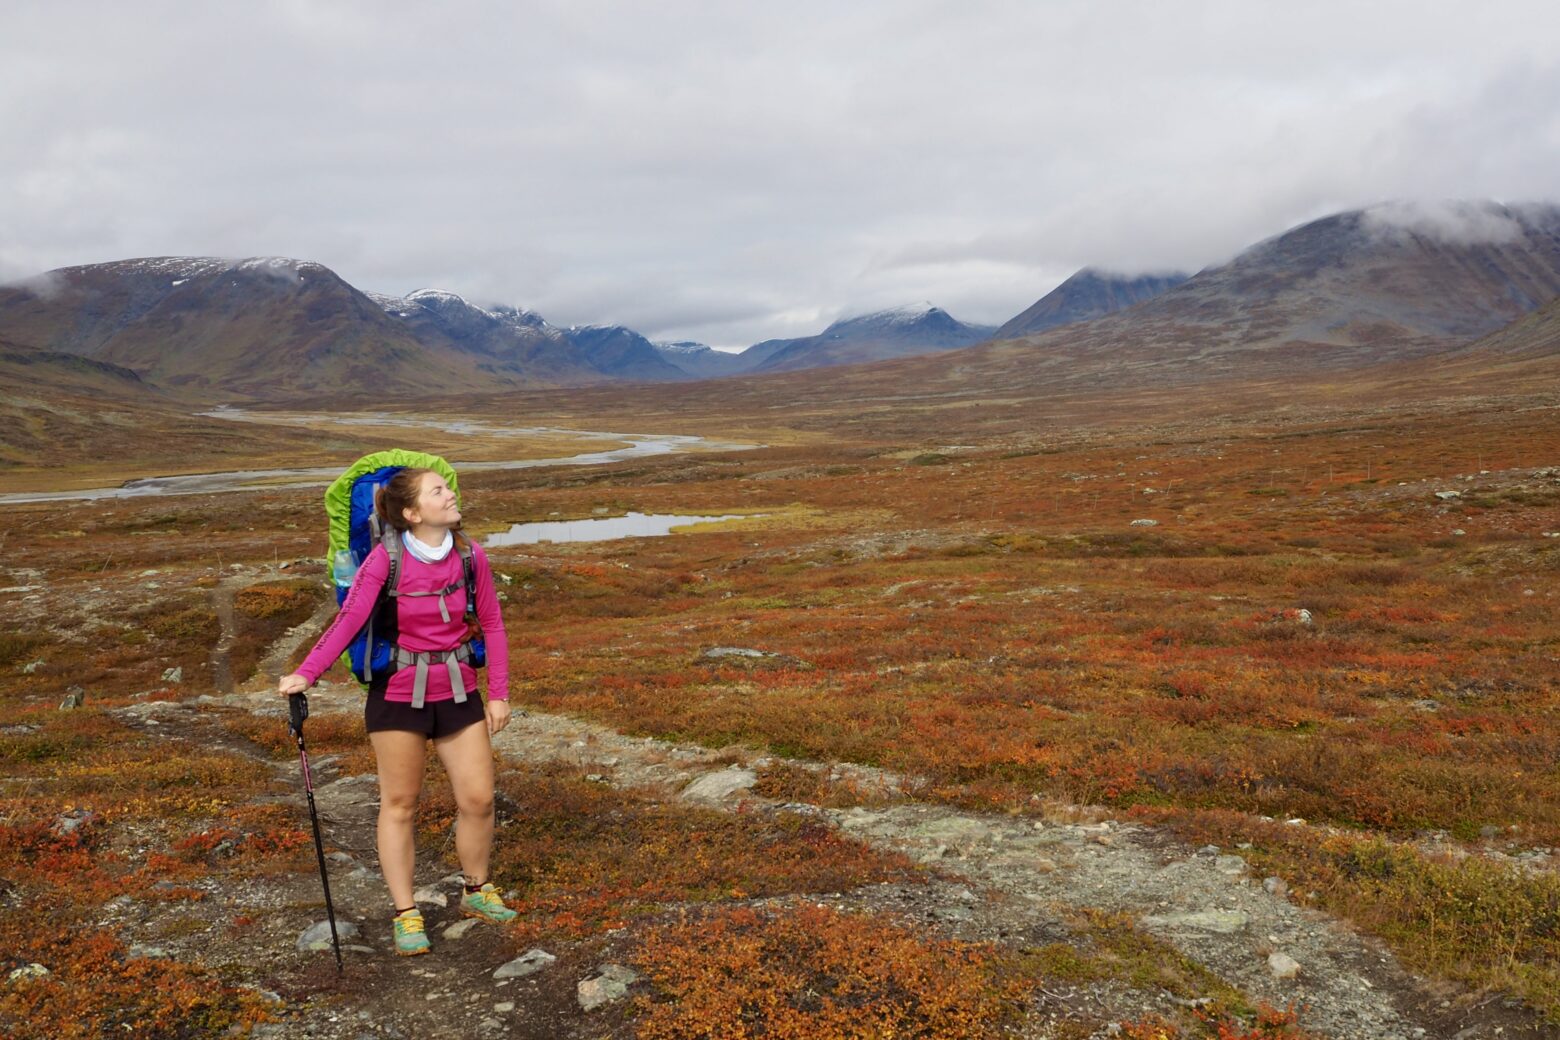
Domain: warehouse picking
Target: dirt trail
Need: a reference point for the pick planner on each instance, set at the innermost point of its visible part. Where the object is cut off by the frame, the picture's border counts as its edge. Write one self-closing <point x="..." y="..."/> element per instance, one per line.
<point x="1026" y="873"/>
<point x="222" y="605"/>
<point x="1019" y="877"/>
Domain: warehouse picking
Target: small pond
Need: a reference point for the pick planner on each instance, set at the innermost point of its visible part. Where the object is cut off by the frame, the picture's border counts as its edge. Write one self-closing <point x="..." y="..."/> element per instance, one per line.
<point x="634" y="525"/>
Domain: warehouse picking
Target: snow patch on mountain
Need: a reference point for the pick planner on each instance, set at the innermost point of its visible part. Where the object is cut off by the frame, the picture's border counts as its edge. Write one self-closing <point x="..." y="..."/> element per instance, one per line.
<point x="434" y="298"/>
<point x="684" y="347"/>
<point x="184" y="268"/>
<point x="389" y="304"/>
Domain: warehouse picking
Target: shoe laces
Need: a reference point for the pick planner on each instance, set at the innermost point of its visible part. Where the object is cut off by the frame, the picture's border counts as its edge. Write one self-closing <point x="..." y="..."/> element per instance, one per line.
<point x="409" y="924"/>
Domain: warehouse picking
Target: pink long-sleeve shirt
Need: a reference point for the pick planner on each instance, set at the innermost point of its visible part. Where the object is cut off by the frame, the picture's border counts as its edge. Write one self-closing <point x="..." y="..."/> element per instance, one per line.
<point x="419" y="624"/>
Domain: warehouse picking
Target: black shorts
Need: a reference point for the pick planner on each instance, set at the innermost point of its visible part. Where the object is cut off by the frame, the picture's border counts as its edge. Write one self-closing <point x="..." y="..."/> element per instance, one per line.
<point x="434" y="719"/>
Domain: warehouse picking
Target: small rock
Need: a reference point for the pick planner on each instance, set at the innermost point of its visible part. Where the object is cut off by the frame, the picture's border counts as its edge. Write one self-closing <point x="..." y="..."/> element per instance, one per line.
<point x="263" y="994"/>
<point x="1447" y="496"/>
<point x="1489" y="831"/>
<point x="431" y="895"/>
<point x="528" y="963"/>
<point x="459" y="929"/>
<point x="173" y="675"/>
<point x="1283" y="966"/>
<point x="31" y="666"/>
<point x="1144" y="523"/>
<point x="714" y="787"/>
<point x="611" y="985"/>
<point x="149" y="953"/>
<point x="317" y="935"/>
<point x="735" y="651"/>
<point x="72" y="821"/>
<point x="932" y="855"/>
<point x="28" y="971"/>
<point x="1230" y="865"/>
<point x="1275" y="886"/>
<point x="1208" y="850"/>
<point x="75" y="697"/>
<point x="1218" y="922"/>
<point x="1458" y="532"/>
<point x="504" y="1007"/>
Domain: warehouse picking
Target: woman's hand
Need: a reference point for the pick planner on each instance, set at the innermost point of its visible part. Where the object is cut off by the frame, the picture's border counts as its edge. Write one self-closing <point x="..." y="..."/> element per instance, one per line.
<point x="497" y="716"/>
<point x="292" y="684"/>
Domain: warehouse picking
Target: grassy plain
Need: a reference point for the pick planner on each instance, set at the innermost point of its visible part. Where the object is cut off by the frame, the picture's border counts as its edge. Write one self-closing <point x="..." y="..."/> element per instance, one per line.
<point x="1314" y="648"/>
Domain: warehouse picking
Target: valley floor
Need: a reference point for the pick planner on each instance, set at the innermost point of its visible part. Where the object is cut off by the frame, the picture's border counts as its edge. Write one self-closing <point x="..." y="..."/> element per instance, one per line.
<point x="975" y="748"/>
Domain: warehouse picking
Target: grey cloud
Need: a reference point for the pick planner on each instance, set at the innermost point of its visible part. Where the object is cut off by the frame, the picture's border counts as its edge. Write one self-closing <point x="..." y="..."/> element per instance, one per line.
<point x="1455" y="221"/>
<point x="731" y="173"/>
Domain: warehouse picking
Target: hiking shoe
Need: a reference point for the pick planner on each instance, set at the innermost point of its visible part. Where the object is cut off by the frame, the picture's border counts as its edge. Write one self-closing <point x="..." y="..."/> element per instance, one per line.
<point x="486" y="904"/>
<point x="410" y="939"/>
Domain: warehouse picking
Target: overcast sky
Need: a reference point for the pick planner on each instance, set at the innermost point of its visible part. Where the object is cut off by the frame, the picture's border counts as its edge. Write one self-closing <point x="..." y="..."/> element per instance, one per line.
<point x="730" y="172"/>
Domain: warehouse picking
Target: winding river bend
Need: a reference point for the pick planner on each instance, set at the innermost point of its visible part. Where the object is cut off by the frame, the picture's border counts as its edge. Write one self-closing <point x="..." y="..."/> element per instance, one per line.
<point x="639" y="446"/>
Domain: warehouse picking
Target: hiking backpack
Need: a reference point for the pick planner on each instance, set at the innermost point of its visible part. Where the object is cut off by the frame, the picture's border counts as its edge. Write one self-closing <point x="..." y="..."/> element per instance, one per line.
<point x="355" y="528"/>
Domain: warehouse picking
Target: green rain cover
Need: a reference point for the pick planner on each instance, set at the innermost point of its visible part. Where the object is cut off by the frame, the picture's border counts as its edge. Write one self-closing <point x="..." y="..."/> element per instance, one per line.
<point x="338" y="497"/>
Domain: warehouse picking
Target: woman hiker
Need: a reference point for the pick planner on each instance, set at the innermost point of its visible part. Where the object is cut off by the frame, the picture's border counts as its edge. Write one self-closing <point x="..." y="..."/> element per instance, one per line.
<point x="430" y="610"/>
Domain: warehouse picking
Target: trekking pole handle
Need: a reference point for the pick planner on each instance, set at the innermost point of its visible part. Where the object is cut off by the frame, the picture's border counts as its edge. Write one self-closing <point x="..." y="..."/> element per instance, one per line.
<point x="297" y="711"/>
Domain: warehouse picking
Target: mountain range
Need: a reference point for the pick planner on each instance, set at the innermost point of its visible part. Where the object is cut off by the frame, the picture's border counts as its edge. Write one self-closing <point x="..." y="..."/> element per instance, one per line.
<point x="1387" y="283"/>
<point x="274" y="327"/>
<point x="1392" y="283"/>
<point x="1087" y="295"/>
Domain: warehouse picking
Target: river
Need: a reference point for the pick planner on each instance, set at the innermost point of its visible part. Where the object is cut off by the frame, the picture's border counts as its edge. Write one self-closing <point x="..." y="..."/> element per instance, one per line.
<point x="639" y="446"/>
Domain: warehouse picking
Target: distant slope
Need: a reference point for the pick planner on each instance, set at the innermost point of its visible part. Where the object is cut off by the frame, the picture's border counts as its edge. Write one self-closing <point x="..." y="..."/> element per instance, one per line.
<point x="1387" y="284"/>
<point x="264" y="327"/>
<point x="1088" y="294"/>
<point x="623" y="354"/>
<point x="702" y="362"/>
<point x="901" y="332"/>
<point x="1535" y="335"/>
<point x="502" y="340"/>
<point x="34" y="372"/>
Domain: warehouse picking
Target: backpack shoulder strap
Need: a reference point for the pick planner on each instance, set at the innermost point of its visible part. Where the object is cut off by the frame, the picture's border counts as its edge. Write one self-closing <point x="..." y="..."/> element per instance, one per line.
<point x="468" y="566"/>
<point x="390" y="539"/>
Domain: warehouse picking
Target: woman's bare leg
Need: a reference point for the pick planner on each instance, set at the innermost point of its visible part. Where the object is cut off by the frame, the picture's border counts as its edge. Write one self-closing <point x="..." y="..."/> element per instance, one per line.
<point x="400" y="755"/>
<point x="468" y="759"/>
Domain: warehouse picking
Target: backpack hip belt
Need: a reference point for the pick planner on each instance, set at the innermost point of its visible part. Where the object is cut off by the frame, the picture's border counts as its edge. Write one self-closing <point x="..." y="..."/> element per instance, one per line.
<point x="451" y="659"/>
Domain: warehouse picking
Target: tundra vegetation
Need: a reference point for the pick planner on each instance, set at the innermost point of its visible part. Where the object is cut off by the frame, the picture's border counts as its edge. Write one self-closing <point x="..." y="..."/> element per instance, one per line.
<point x="1310" y="651"/>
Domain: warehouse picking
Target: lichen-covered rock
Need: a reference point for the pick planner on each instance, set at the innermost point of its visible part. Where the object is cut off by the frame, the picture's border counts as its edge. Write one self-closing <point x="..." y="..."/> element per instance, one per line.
<point x="609" y="986"/>
<point x="715" y="787"/>
<point x="317" y="935"/>
<point x="528" y="963"/>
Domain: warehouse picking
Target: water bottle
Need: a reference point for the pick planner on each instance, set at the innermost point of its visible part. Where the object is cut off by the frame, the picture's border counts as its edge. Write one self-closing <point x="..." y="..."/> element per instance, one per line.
<point x="343" y="569"/>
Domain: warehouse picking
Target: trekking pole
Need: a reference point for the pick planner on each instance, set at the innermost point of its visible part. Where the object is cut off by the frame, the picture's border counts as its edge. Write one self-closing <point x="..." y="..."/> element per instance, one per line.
<point x="297" y="711"/>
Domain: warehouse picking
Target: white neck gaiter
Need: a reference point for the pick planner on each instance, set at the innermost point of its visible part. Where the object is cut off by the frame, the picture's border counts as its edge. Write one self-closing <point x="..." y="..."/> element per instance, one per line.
<point x="428" y="553"/>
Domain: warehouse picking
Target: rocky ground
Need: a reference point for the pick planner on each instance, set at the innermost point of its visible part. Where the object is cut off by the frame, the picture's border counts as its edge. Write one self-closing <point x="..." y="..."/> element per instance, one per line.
<point x="1016" y="881"/>
<point x="1021" y="881"/>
